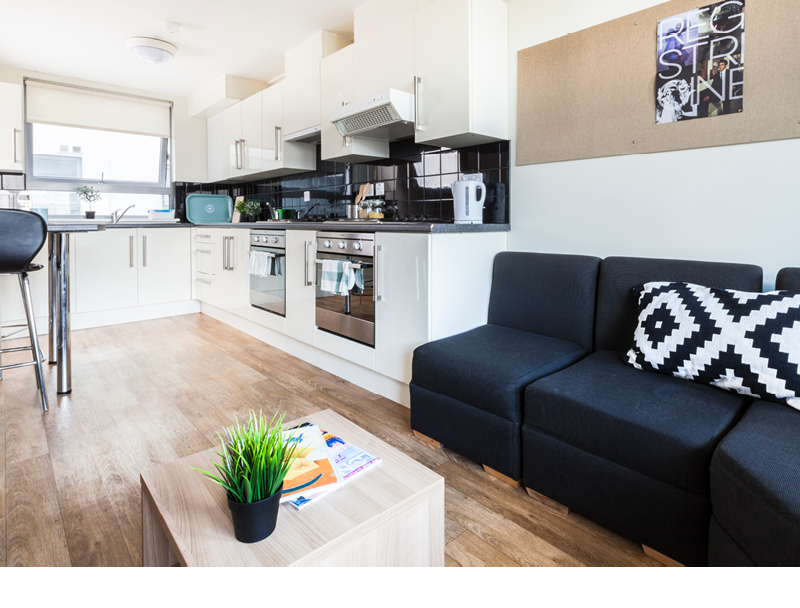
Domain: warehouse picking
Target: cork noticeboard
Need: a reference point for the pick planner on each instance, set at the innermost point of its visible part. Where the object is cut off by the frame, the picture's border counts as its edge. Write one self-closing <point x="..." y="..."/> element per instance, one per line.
<point x="591" y="94"/>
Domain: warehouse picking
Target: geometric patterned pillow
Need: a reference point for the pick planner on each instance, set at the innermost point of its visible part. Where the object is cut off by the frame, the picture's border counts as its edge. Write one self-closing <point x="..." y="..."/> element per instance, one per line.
<point x="735" y="340"/>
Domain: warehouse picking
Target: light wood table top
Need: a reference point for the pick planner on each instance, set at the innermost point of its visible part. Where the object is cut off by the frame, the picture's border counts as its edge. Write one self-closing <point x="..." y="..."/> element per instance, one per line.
<point x="390" y="515"/>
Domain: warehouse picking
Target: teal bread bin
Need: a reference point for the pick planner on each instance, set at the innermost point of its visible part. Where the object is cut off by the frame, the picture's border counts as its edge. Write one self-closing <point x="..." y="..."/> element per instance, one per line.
<point x="209" y="208"/>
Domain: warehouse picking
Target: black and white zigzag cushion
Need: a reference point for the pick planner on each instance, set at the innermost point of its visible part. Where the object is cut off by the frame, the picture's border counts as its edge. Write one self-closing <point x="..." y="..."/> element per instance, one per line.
<point x="739" y="341"/>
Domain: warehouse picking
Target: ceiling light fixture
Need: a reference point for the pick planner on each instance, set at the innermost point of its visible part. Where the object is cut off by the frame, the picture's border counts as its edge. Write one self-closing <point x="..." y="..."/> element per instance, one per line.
<point x="152" y="50"/>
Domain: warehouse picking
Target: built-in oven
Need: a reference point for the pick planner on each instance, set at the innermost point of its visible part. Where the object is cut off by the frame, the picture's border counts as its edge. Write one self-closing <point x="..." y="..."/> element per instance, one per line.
<point x="351" y="315"/>
<point x="268" y="270"/>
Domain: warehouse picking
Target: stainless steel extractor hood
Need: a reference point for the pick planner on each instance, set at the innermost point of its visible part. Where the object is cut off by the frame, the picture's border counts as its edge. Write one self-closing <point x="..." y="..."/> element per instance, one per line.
<point x="387" y="116"/>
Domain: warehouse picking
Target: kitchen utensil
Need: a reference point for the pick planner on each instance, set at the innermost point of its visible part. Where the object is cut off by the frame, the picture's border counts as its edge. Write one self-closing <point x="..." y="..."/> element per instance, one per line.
<point x="352" y="211"/>
<point x="468" y="209"/>
<point x="209" y="208"/>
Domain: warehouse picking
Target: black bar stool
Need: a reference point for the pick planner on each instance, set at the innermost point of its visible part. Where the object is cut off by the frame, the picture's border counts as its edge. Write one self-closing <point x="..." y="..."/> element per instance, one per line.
<point x="22" y="235"/>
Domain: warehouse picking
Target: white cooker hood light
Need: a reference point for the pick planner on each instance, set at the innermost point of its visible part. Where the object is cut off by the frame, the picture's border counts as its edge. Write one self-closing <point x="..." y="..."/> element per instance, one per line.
<point x="152" y="50"/>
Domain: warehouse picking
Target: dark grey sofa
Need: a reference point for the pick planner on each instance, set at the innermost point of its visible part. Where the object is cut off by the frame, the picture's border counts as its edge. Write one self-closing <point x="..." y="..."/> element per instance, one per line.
<point x="755" y="483"/>
<point x="466" y="390"/>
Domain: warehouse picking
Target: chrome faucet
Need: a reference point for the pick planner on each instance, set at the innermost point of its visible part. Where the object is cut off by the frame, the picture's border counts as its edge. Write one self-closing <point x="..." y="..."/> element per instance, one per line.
<point x="116" y="216"/>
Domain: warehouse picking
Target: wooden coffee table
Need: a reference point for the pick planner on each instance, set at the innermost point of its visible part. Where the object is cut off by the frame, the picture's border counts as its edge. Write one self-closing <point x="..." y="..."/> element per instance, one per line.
<point x="392" y="515"/>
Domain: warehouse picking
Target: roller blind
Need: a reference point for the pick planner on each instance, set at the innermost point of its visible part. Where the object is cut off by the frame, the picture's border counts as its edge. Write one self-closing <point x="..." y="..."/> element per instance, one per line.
<point x="55" y="104"/>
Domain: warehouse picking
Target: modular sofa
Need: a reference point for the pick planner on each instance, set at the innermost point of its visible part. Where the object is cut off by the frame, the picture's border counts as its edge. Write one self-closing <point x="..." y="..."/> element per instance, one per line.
<point x="631" y="449"/>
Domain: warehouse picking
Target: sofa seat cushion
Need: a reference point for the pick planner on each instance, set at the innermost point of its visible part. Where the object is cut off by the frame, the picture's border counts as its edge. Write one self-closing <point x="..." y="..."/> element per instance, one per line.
<point x="755" y="484"/>
<point x="659" y="426"/>
<point x="490" y="366"/>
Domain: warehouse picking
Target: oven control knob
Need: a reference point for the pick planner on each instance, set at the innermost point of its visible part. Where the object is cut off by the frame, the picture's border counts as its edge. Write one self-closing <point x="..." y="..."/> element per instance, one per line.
<point x="256" y="239"/>
<point x="357" y="246"/>
<point x="327" y="243"/>
<point x="342" y="244"/>
<point x="274" y="239"/>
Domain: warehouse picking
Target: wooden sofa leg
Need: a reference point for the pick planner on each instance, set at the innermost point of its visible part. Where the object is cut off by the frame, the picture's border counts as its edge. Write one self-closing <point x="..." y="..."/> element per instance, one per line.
<point x="660" y="557"/>
<point x="514" y="483"/>
<point x="548" y="502"/>
<point x="436" y="445"/>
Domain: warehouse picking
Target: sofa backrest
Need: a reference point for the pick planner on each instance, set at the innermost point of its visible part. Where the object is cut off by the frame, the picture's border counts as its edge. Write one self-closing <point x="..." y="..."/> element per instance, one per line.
<point x="617" y="308"/>
<point x="788" y="278"/>
<point x="545" y="293"/>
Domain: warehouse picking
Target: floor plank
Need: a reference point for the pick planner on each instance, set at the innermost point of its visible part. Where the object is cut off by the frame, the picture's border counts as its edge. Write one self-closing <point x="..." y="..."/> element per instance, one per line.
<point x="449" y="562"/>
<point x="470" y="551"/>
<point x="154" y="391"/>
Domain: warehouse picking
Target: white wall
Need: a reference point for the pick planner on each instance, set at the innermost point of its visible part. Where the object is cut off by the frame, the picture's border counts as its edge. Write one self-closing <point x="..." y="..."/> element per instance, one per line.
<point x="731" y="204"/>
<point x="188" y="134"/>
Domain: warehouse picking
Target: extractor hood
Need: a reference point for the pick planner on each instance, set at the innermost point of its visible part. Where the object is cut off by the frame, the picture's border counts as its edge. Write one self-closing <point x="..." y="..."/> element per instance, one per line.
<point x="387" y="116"/>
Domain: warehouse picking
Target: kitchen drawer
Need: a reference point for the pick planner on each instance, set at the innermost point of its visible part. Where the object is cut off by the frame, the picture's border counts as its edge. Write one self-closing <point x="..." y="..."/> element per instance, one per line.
<point x="206" y="257"/>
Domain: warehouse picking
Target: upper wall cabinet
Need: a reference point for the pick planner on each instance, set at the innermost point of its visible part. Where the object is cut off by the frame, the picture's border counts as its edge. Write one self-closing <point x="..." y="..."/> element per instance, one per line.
<point x="337" y="90"/>
<point x="301" y="99"/>
<point x="461" y="60"/>
<point x="11" y="134"/>
<point x="385" y="59"/>
<point x="243" y="137"/>
<point x="282" y="157"/>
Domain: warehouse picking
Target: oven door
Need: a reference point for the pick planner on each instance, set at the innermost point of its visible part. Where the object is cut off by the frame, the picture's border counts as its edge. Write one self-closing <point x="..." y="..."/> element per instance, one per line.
<point x="351" y="316"/>
<point x="269" y="293"/>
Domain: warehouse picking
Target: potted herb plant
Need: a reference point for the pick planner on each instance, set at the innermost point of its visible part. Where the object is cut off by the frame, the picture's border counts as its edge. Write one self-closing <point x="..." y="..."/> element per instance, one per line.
<point x="88" y="195"/>
<point x="255" y="460"/>
<point x="249" y="210"/>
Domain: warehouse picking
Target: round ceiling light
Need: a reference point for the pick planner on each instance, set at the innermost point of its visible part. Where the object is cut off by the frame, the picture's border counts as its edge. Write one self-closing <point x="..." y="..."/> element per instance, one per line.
<point x="152" y="50"/>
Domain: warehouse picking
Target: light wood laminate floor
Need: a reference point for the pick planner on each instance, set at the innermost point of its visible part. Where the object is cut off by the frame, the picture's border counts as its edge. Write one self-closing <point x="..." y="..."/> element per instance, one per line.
<point x="152" y="392"/>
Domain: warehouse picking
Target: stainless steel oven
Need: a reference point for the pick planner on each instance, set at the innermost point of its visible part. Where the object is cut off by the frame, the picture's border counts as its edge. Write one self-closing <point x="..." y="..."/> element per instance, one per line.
<point x="352" y="315"/>
<point x="268" y="281"/>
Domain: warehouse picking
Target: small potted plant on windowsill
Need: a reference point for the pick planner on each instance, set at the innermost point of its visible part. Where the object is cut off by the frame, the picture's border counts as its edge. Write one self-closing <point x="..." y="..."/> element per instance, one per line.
<point x="255" y="460"/>
<point x="249" y="210"/>
<point x="88" y="195"/>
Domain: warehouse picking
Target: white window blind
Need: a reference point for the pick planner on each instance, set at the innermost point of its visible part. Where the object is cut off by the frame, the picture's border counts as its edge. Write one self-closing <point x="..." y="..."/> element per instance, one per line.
<point x="54" y="104"/>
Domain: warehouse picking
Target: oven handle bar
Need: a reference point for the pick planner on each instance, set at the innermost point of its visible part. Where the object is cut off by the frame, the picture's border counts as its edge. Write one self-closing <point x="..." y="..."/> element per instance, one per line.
<point x="269" y="254"/>
<point x="356" y="266"/>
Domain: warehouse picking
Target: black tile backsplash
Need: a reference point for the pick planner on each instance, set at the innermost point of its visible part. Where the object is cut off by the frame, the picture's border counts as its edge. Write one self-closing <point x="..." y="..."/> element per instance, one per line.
<point x="416" y="178"/>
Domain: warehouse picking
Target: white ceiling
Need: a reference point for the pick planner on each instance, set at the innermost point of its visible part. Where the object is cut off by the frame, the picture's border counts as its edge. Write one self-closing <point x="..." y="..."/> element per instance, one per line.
<point x="86" y="38"/>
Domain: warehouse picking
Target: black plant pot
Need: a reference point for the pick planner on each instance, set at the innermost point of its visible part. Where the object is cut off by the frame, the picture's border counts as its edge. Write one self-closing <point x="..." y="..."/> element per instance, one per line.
<point x="248" y="219"/>
<point x="255" y="521"/>
<point x="90" y="214"/>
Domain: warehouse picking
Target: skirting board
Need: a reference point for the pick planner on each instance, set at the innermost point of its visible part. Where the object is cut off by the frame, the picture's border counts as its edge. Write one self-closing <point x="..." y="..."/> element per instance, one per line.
<point x="360" y="376"/>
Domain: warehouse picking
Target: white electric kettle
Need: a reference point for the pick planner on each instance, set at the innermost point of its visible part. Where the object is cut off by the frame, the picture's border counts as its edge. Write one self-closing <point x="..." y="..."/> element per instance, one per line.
<point x="467" y="207"/>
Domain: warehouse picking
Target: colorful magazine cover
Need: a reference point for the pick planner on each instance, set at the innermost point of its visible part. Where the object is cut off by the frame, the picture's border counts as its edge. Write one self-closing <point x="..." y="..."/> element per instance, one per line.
<point x="350" y="461"/>
<point x="313" y="469"/>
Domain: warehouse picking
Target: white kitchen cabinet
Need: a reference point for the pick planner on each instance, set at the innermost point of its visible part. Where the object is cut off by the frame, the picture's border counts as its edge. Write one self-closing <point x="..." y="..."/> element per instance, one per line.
<point x="336" y="73"/>
<point x="223" y="270"/>
<point x="243" y="138"/>
<point x="301" y="295"/>
<point x="233" y="133"/>
<point x="11" y="133"/>
<point x="461" y="59"/>
<point x="165" y="269"/>
<point x="403" y="302"/>
<point x="280" y="157"/>
<point x="218" y="155"/>
<point x="106" y="274"/>
<point x="301" y="95"/>
<point x="126" y="267"/>
<point x="375" y="73"/>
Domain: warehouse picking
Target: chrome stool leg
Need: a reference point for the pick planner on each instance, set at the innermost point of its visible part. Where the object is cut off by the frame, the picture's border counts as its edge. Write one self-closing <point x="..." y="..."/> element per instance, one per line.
<point x="25" y="288"/>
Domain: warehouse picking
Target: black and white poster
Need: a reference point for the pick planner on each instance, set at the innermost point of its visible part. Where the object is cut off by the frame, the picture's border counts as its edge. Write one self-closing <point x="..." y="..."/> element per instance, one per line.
<point x="700" y="63"/>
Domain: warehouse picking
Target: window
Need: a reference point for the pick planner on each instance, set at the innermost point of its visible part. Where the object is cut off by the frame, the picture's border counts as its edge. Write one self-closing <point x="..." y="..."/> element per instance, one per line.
<point x="116" y="144"/>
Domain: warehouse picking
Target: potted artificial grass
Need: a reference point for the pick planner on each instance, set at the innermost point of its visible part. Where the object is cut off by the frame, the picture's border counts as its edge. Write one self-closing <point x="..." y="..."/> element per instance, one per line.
<point x="255" y="459"/>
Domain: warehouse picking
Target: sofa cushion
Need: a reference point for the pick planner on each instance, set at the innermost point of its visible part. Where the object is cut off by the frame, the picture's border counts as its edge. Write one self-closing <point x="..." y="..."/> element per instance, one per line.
<point x="490" y="366"/>
<point x="755" y="484"/>
<point x="663" y="427"/>
<point x="617" y="311"/>
<point x="734" y="340"/>
<point x="548" y="294"/>
<point x="788" y="278"/>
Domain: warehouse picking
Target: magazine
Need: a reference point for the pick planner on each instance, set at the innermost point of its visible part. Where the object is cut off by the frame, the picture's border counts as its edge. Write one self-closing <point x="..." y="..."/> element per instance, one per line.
<point x="350" y="461"/>
<point x="313" y="468"/>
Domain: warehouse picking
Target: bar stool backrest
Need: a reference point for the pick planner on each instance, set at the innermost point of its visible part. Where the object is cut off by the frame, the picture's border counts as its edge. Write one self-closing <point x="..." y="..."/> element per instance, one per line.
<point x="22" y="235"/>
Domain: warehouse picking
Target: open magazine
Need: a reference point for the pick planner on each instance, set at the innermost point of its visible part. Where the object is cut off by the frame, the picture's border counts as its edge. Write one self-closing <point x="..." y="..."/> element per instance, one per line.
<point x="349" y="461"/>
<point x="313" y="469"/>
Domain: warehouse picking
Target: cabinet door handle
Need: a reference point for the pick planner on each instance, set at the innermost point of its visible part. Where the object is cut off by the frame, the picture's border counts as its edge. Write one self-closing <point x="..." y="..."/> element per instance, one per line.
<point x="203" y="236"/>
<point x="375" y="274"/>
<point x="144" y="251"/>
<point x="203" y="281"/>
<point x="224" y="253"/>
<point x="310" y="281"/>
<point x="130" y="247"/>
<point x="417" y="118"/>
<point x="243" y="146"/>
<point x="230" y="253"/>
<point x="204" y="251"/>
<point x="14" y="144"/>
<point x="236" y="148"/>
